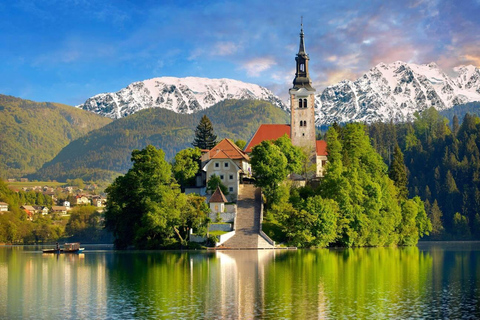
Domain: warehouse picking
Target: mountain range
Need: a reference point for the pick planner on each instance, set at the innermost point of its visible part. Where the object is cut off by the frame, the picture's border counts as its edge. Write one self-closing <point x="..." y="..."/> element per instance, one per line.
<point x="386" y="92"/>
<point x="181" y="95"/>
<point x="395" y="92"/>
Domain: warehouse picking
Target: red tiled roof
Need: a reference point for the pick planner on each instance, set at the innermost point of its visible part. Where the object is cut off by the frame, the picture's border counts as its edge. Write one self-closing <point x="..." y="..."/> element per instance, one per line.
<point x="218" y="196"/>
<point x="321" y="148"/>
<point x="226" y="149"/>
<point x="267" y="132"/>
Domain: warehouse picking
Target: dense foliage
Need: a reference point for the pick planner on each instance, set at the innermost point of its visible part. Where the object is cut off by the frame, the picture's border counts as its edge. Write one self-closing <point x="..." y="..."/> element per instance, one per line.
<point x="356" y="204"/>
<point x="33" y="133"/>
<point x="186" y="165"/>
<point x="443" y="168"/>
<point x="272" y="162"/>
<point x="105" y="153"/>
<point x="145" y="207"/>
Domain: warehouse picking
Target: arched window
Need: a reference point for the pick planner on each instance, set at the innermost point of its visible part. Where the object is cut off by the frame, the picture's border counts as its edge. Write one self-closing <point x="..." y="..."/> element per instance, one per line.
<point x="301" y="123"/>
<point x="300" y="103"/>
<point x="304" y="103"/>
<point x="302" y="67"/>
<point x="305" y="123"/>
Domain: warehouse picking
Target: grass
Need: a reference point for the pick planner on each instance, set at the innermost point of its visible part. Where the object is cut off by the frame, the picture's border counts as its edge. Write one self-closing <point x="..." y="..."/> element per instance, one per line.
<point x="216" y="233"/>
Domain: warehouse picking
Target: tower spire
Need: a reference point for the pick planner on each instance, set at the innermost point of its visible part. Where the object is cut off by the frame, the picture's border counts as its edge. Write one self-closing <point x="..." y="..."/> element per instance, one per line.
<point x="302" y="77"/>
<point x="302" y="41"/>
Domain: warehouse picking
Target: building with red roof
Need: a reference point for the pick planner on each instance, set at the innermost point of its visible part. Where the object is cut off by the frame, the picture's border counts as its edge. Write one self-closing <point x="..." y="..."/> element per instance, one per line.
<point x="227" y="161"/>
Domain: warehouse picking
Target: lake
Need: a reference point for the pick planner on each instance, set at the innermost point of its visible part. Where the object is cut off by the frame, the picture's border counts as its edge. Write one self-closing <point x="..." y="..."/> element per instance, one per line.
<point x="433" y="281"/>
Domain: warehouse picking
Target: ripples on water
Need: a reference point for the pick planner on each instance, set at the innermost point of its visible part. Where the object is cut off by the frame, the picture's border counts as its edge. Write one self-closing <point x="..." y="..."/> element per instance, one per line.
<point x="431" y="281"/>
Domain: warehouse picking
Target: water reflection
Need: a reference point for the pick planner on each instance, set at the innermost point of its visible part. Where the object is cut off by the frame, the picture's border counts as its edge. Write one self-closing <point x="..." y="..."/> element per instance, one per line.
<point x="431" y="281"/>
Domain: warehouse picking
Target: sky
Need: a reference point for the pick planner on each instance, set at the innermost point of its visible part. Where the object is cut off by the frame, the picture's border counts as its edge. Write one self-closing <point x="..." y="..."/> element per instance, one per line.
<point x="69" y="50"/>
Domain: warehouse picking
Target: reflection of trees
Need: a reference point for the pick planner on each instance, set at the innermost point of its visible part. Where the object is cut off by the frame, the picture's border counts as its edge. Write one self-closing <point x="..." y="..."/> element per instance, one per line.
<point x="361" y="282"/>
<point x="436" y="282"/>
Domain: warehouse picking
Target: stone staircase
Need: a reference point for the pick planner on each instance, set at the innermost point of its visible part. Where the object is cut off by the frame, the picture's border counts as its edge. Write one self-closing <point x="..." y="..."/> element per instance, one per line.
<point x="247" y="224"/>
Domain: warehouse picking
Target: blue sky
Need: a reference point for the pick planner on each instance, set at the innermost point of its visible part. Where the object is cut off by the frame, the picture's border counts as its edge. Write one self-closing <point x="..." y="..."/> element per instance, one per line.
<point x="68" y="50"/>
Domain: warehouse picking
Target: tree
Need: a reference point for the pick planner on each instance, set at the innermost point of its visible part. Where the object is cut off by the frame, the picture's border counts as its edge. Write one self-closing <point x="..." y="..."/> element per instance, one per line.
<point x="460" y="225"/>
<point x="435" y="216"/>
<point x="398" y="173"/>
<point x="186" y="166"/>
<point x="84" y="222"/>
<point x="214" y="182"/>
<point x="204" y="135"/>
<point x="241" y="143"/>
<point x="294" y="155"/>
<point x="455" y="125"/>
<point x="269" y="166"/>
<point x="144" y="206"/>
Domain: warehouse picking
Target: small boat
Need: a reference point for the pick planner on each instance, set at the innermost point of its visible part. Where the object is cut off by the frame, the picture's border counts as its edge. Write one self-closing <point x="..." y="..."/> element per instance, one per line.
<point x="57" y="251"/>
<point x="73" y="247"/>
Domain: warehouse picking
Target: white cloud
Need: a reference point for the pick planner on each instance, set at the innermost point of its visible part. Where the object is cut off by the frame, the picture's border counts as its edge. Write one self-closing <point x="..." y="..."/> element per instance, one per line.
<point x="225" y="48"/>
<point x="256" y="66"/>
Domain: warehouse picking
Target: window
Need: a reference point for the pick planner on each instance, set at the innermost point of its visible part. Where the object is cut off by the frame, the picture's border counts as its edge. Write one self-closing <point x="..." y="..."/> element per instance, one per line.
<point x="226" y="164"/>
<point x="302" y="67"/>
<point x="304" y="103"/>
<point x="305" y="123"/>
<point x="222" y="177"/>
<point x="217" y="165"/>
<point x="231" y="177"/>
<point x="230" y="189"/>
<point x="301" y="123"/>
<point x="300" y="103"/>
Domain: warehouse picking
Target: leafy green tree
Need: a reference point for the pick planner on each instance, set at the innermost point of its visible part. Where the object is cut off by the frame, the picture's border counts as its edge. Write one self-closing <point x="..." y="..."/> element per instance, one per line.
<point x="186" y="166"/>
<point x="144" y="206"/>
<point x="398" y="173"/>
<point x="204" y="135"/>
<point x="269" y="166"/>
<point x="84" y="223"/>
<point x="241" y="143"/>
<point x="294" y="155"/>
<point x="214" y="182"/>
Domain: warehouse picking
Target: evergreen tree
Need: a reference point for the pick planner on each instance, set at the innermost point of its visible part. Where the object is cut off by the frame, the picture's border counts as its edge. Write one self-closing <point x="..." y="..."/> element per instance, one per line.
<point x="398" y="173"/>
<point x="455" y="125"/>
<point x="204" y="135"/>
<point x="435" y="215"/>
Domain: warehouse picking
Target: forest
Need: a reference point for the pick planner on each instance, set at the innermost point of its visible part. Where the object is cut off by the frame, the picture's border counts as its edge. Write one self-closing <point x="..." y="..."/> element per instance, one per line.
<point x="442" y="159"/>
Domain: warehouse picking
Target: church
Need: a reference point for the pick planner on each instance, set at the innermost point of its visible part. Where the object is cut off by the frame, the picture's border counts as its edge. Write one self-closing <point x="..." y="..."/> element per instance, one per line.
<point x="301" y="129"/>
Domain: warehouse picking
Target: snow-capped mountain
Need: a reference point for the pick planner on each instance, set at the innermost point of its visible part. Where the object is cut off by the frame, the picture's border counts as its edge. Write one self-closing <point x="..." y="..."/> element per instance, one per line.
<point x="395" y="91"/>
<point x="182" y="95"/>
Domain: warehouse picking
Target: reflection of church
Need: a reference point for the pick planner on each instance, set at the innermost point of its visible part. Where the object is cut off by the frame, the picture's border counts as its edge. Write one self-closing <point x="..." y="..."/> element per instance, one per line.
<point x="301" y="129"/>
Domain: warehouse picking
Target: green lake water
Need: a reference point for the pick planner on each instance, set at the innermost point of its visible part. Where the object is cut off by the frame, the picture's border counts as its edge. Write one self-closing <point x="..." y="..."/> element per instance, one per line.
<point x="431" y="281"/>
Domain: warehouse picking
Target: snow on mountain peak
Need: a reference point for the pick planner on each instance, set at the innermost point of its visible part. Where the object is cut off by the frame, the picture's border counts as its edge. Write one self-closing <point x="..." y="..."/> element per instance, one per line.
<point x="182" y="95"/>
<point x="395" y="91"/>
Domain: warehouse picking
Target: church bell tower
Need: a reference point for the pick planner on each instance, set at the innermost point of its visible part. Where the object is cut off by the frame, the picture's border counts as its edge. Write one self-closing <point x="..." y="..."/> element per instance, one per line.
<point x="302" y="103"/>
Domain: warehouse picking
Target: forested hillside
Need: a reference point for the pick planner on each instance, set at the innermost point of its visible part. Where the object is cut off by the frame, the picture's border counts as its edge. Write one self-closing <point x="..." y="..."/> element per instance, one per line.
<point x="461" y="110"/>
<point x="33" y="133"/>
<point x="104" y="153"/>
<point x="443" y="163"/>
